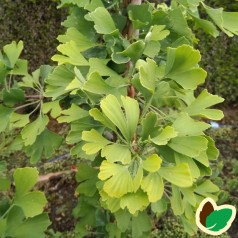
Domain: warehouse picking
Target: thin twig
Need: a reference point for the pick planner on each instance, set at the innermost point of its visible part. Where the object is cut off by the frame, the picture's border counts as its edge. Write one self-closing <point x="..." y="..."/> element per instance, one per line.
<point x="26" y="105"/>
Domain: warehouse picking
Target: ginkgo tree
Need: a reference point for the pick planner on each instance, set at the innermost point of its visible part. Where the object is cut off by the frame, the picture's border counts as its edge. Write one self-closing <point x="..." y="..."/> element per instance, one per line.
<point x="126" y="82"/>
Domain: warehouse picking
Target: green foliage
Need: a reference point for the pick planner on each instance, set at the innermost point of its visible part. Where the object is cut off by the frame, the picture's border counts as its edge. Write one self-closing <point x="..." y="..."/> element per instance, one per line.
<point x="222" y="75"/>
<point x="23" y="215"/>
<point x="134" y="116"/>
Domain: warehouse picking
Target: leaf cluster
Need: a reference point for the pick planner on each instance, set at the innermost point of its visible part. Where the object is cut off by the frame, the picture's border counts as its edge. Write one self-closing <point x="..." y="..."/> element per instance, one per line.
<point x="23" y="215"/>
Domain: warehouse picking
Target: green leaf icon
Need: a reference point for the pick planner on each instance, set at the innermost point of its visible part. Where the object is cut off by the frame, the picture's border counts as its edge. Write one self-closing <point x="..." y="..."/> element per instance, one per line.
<point x="218" y="219"/>
<point x="212" y="219"/>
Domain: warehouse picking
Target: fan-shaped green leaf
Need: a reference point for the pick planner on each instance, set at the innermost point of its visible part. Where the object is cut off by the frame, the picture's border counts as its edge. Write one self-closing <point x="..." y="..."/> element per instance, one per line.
<point x="52" y="107"/>
<point x="179" y="175"/>
<point x="77" y="20"/>
<point x="92" y="5"/>
<point x="113" y="204"/>
<point x="134" y="202"/>
<point x="74" y="86"/>
<point x="98" y="116"/>
<point x="181" y="59"/>
<point x="123" y="218"/>
<point x="207" y="188"/>
<point x="199" y="106"/>
<point x="87" y="178"/>
<point x="212" y="151"/>
<point x="192" y="128"/>
<point x="134" y="51"/>
<point x="45" y="144"/>
<point x="182" y="67"/>
<point x="35" y="225"/>
<point x="118" y="179"/>
<point x="189" y="195"/>
<point x="152" y="163"/>
<point x="30" y="132"/>
<point x="72" y="114"/>
<point x="127" y="122"/>
<point x="153" y="185"/>
<point x="141" y="224"/>
<point x="191" y="146"/>
<point x="100" y="66"/>
<point x="71" y="54"/>
<point x="140" y="15"/>
<point x="207" y="26"/>
<point x="58" y="81"/>
<point x="95" y="84"/>
<point x="148" y="71"/>
<point x="160" y="206"/>
<point x="32" y="203"/>
<point x="13" y="52"/>
<point x="117" y="152"/>
<point x="164" y="136"/>
<point x="176" y="201"/>
<point x="19" y="120"/>
<point x="180" y="158"/>
<point x="226" y="21"/>
<point x="179" y="25"/>
<point x="202" y="158"/>
<point x="24" y="180"/>
<point x="81" y="40"/>
<point x="152" y="48"/>
<point x="103" y="21"/>
<point x="112" y="109"/>
<point x="95" y="141"/>
<point x="157" y="33"/>
<point x="13" y="96"/>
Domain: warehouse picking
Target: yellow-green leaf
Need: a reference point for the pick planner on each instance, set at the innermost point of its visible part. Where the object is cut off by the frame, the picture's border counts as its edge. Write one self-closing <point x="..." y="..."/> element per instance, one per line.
<point x="71" y="54"/>
<point x="153" y="185"/>
<point x="134" y="202"/>
<point x="192" y="128"/>
<point x="30" y="132"/>
<point x="182" y="67"/>
<point x="164" y="136"/>
<point x="127" y="122"/>
<point x="179" y="175"/>
<point x="72" y="114"/>
<point x="199" y="106"/>
<point x="95" y="141"/>
<point x="117" y="152"/>
<point x="118" y="179"/>
<point x="152" y="163"/>
<point x="103" y="21"/>
<point x="24" y="180"/>
<point x="191" y="146"/>
<point x="32" y="203"/>
<point x="176" y="201"/>
<point x="52" y="107"/>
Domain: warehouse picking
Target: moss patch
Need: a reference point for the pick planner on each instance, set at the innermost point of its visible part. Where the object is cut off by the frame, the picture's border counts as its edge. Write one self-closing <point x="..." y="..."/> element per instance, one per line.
<point x="37" y="23"/>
